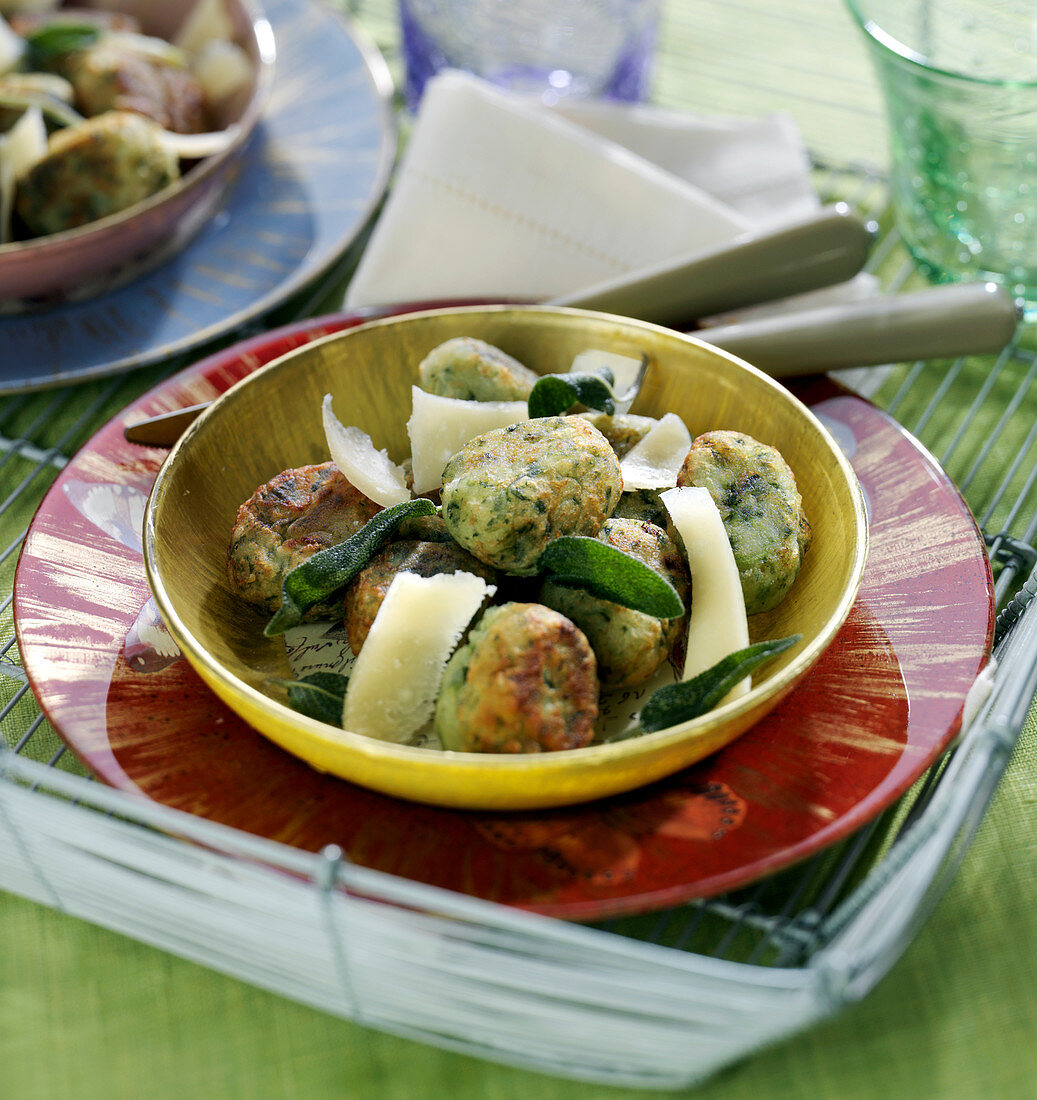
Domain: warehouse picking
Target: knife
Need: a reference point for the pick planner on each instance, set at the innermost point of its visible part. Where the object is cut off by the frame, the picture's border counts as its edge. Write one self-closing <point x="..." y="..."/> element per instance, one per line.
<point x="827" y="247"/>
<point x="939" y="322"/>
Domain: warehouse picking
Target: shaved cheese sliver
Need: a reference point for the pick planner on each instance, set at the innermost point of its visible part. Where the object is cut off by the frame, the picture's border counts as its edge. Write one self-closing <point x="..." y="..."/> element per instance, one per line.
<point x="12" y="46"/>
<point x="368" y="469"/>
<point x="625" y="370"/>
<point x="223" y="69"/>
<point x="395" y="680"/>
<point x="656" y="460"/>
<point x="23" y="145"/>
<point x="717" y="622"/>
<point x="208" y="21"/>
<point x="440" y="426"/>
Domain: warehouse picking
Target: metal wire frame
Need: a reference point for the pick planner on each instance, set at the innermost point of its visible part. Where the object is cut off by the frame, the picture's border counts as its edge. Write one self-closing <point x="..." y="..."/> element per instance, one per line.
<point x="805" y="917"/>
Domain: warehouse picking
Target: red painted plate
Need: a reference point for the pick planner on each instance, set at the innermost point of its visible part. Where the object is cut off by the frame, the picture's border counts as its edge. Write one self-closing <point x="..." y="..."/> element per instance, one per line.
<point x="869" y="718"/>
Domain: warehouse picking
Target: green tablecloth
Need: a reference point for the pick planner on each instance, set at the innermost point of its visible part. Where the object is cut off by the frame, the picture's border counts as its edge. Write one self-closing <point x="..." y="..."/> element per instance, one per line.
<point x="88" y="1014"/>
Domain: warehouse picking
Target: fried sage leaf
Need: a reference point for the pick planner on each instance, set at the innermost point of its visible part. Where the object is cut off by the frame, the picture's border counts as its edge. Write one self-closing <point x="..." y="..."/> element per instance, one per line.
<point x="554" y="394"/>
<point x="319" y="695"/>
<point x="578" y="561"/>
<point x="328" y="570"/>
<point x="51" y="42"/>
<point x="676" y="703"/>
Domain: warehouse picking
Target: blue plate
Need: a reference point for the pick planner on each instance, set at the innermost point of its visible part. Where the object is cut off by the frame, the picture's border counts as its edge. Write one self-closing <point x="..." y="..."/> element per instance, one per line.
<point x="308" y="183"/>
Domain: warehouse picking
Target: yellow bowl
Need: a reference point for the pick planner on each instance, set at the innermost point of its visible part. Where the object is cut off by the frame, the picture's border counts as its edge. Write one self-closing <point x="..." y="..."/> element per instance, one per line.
<point x="272" y="421"/>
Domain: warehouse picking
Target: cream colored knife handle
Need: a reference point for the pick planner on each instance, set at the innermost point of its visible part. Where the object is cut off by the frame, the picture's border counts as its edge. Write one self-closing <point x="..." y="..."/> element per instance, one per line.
<point x="939" y="322"/>
<point x="929" y="324"/>
<point x="830" y="246"/>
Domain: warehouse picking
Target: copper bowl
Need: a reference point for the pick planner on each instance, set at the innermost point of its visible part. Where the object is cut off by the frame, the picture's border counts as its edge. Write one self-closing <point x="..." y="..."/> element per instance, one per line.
<point x="83" y="262"/>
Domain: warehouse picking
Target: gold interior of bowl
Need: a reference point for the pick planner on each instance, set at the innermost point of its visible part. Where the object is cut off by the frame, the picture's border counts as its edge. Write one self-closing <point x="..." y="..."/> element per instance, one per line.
<point x="253" y="33"/>
<point x="272" y="421"/>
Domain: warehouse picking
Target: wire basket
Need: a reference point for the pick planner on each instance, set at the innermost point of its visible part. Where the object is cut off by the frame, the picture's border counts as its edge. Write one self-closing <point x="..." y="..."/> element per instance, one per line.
<point x="658" y="1001"/>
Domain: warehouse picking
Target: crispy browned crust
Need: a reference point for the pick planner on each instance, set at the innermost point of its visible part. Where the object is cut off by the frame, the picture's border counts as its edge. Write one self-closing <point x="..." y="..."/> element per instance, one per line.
<point x="110" y="79"/>
<point x="531" y="684"/>
<point x="288" y="520"/>
<point x="426" y="559"/>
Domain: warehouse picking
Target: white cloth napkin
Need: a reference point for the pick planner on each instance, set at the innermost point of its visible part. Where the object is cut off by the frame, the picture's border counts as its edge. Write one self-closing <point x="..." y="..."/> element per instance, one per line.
<point x="497" y="195"/>
<point x="759" y="167"/>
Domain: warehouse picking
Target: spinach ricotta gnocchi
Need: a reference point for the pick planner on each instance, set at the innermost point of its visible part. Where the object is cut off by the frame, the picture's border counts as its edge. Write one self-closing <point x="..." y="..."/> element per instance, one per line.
<point x="473" y="370"/>
<point x="762" y="509"/>
<point x="96" y="168"/>
<point x="525" y="681"/>
<point x="507" y="493"/>
<point x="629" y="645"/>
<point x="622" y="430"/>
<point x="288" y="520"/>
<point x="529" y="664"/>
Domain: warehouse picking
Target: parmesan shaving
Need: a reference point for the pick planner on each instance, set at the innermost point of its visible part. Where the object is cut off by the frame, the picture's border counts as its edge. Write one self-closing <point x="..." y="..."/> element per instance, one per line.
<point x="23" y="145"/>
<point x="368" y="469"/>
<point x="625" y="370"/>
<point x="717" y="623"/>
<point x="440" y="426"/>
<point x="656" y="460"/>
<point x="208" y="21"/>
<point x="223" y="69"/>
<point x="12" y="46"/>
<point x="395" y="680"/>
